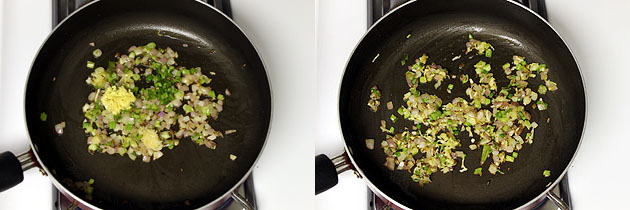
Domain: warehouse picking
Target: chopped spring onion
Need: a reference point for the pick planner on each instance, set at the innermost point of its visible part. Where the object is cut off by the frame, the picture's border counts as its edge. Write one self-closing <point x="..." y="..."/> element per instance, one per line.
<point x="546" y="173"/>
<point x="393" y="118"/>
<point x="499" y="170"/>
<point x="485" y="152"/>
<point x="404" y="60"/>
<point x="150" y="45"/>
<point x="478" y="171"/>
<point x="90" y="64"/>
<point x="97" y="53"/>
<point x="43" y="116"/>
<point x="188" y="108"/>
<point x="212" y="94"/>
<point x="401" y="111"/>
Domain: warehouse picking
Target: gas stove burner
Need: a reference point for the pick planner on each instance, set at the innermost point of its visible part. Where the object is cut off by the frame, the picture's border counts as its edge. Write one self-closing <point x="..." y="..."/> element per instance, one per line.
<point x="562" y="190"/>
<point x="378" y="8"/>
<point x="246" y="190"/>
<point x="62" y="8"/>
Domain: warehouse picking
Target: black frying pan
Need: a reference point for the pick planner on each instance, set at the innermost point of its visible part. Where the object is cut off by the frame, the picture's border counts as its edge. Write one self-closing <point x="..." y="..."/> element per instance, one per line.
<point x="189" y="176"/>
<point x="440" y="29"/>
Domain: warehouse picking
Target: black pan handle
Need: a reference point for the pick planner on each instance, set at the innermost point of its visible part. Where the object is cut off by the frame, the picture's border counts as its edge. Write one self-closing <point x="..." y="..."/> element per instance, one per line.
<point x="12" y="168"/>
<point x="327" y="171"/>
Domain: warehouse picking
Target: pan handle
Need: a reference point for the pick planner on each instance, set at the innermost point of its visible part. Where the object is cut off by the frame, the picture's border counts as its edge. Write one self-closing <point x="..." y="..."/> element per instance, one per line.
<point x="12" y="168"/>
<point x="558" y="201"/>
<point x="241" y="200"/>
<point x="326" y="171"/>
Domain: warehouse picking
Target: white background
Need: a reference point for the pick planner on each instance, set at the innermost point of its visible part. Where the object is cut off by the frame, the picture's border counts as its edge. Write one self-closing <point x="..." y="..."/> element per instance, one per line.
<point x="597" y="32"/>
<point x="284" y="33"/>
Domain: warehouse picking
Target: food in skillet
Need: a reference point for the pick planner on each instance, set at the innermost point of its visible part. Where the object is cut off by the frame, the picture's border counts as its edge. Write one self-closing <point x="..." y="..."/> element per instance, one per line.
<point x="494" y="119"/>
<point x="144" y="102"/>
<point x="81" y="186"/>
<point x="375" y="97"/>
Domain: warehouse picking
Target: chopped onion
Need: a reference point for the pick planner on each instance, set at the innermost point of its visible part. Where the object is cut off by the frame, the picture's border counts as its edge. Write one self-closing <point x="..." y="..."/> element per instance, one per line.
<point x="369" y="143"/>
<point x="227" y="132"/>
<point x="97" y="53"/>
<point x="492" y="168"/>
<point x="375" y="96"/>
<point x="389" y="163"/>
<point x="59" y="127"/>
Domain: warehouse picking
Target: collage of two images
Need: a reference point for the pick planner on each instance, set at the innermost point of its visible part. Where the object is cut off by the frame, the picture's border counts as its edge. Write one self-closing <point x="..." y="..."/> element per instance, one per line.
<point x="313" y="104"/>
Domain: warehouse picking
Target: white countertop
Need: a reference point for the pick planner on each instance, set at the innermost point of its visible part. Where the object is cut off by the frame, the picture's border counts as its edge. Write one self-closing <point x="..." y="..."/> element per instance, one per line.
<point x="283" y="31"/>
<point x="596" y="31"/>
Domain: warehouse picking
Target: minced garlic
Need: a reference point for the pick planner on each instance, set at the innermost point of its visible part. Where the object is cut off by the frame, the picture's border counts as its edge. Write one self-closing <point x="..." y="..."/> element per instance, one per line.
<point x="150" y="139"/>
<point x="117" y="99"/>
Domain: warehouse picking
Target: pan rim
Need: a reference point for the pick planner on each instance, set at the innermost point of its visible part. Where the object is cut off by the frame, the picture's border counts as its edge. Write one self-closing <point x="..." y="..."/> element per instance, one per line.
<point x="216" y="201"/>
<point x="377" y="191"/>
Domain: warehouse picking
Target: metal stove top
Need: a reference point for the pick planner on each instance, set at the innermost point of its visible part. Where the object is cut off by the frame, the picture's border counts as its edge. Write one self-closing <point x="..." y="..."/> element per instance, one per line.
<point x="246" y="189"/>
<point x="62" y="8"/>
<point x="378" y="8"/>
<point x="562" y="190"/>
